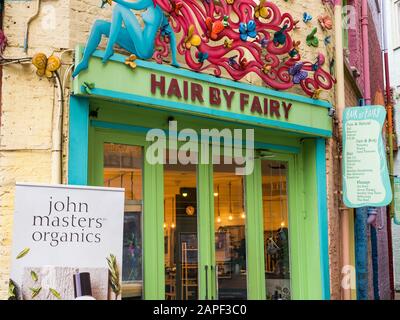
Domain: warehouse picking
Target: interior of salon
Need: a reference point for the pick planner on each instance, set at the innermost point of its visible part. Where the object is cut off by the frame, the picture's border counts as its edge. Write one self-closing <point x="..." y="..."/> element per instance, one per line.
<point x="123" y="168"/>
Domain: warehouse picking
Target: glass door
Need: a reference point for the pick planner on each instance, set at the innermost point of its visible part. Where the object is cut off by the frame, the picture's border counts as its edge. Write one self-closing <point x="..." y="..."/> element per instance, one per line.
<point x="181" y="232"/>
<point x="276" y="230"/>
<point x="230" y="233"/>
<point x="123" y="168"/>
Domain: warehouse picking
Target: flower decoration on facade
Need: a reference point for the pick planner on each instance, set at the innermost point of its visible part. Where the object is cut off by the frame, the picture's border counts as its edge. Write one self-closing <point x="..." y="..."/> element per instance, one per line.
<point x="258" y="41"/>
<point x="325" y="22"/>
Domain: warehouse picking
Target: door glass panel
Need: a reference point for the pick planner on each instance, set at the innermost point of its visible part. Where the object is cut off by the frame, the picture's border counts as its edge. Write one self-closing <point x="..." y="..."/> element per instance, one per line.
<point x="123" y="168"/>
<point x="180" y="232"/>
<point x="230" y="235"/>
<point x="276" y="230"/>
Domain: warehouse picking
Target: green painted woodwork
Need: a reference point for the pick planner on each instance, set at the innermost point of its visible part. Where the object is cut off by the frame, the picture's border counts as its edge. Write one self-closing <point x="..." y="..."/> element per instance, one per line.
<point x="303" y="207"/>
<point x="205" y="204"/>
<point x="122" y="82"/>
<point x="303" y="225"/>
<point x="255" y="234"/>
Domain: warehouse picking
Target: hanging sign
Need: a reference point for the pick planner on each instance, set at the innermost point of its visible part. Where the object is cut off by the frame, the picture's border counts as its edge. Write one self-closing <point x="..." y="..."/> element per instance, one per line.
<point x="67" y="243"/>
<point x="366" y="180"/>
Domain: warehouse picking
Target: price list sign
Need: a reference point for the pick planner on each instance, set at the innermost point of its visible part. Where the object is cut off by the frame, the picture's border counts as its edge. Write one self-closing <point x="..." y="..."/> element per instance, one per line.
<point x="366" y="181"/>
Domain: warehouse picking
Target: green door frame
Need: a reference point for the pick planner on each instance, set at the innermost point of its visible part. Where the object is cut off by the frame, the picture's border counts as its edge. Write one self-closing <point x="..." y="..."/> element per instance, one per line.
<point x="307" y="223"/>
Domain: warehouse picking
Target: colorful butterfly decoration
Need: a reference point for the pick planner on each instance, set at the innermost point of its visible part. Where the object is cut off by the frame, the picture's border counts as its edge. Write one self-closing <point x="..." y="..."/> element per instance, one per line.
<point x="328" y="40"/>
<point x="225" y="22"/>
<point x="46" y="66"/>
<point x="165" y="30"/>
<point x="296" y="49"/>
<point x="230" y="2"/>
<point x="192" y="39"/>
<point x="317" y="94"/>
<point x="202" y="56"/>
<point x="264" y="42"/>
<point x="311" y="39"/>
<point x="266" y="68"/>
<point x="247" y="30"/>
<point x="297" y="73"/>
<point x="130" y="61"/>
<point x="261" y="11"/>
<point x="243" y="63"/>
<point x="306" y="17"/>
<point x="318" y="63"/>
<point x="214" y="28"/>
<point x="280" y="36"/>
<point x="87" y="87"/>
<point x="228" y="43"/>
<point x="104" y="2"/>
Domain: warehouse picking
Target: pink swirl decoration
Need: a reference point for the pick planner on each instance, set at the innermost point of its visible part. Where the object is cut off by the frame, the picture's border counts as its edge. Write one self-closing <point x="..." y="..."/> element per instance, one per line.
<point x="270" y="60"/>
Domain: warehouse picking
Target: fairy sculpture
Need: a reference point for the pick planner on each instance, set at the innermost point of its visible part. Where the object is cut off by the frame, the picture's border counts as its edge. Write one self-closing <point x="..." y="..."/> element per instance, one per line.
<point x="226" y="37"/>
<point x="126" y="31"/>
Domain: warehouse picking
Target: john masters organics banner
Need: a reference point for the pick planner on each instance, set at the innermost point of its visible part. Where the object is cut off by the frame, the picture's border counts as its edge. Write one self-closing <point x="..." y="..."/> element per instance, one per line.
<point x="67" y="243"/>
<point x="365" y="173"/>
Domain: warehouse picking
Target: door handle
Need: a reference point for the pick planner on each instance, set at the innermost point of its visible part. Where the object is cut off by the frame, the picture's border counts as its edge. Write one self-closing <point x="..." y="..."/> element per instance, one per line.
<point x="206" y="269"/>
<point x="211" y="269"/>
<point x="216" y="280"/>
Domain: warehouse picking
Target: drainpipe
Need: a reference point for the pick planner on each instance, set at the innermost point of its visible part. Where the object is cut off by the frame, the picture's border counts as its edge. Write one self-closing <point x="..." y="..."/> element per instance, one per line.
<point x="57" y="130"/>
<point x="361" y="225"/>
<point x="389" y="108"/>
<point x="340" y="106"/>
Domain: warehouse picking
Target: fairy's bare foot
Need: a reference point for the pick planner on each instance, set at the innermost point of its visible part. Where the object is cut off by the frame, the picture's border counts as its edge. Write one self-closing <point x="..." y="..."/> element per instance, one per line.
<point x="107" y="55"/>
<point x="80" y="67"/>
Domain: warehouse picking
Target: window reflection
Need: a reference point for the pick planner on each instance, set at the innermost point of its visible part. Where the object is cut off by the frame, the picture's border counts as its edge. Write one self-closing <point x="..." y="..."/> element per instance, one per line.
<point x="123" y="168"/>
<point x="230" y="236"/>
<point x="276" y="232"/>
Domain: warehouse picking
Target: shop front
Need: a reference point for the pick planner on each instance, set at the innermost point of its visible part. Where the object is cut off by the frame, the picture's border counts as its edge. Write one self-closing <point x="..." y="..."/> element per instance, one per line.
<point x="199" y="230"/>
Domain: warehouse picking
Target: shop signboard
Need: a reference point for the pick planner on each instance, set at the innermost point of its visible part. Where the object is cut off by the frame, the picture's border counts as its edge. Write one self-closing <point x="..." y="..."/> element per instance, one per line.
<point x="67" y="243"/>
<point x="366" y="181"/>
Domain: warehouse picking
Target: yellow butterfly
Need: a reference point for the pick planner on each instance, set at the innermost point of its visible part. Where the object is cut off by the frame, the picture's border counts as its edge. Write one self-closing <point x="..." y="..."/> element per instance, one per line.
<point x="130" y="61"/>
<point x="261" y="11"/>
<point x="266" y="68"/>
<point x="317" y="94"/>
<point x="228" y="43"/>
<point x="46" y="66"/>
<point x="230" y="1"/>
<point x="192" y="39"/>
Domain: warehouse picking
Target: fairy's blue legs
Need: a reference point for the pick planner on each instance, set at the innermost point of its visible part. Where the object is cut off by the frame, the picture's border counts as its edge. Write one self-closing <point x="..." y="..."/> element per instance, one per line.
<point x="125" y="15"/>
<point x="142" y="39"/>
<point x="100" y="28"/>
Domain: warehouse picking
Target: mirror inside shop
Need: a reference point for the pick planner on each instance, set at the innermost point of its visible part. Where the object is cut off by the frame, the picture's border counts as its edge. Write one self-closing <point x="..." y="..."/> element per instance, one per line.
<point x="123" y="167"/>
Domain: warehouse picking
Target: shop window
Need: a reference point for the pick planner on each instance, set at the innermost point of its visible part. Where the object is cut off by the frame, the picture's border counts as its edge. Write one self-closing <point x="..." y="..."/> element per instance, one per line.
<point x="123" y="168"/>
<point x="276" y="230"/>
